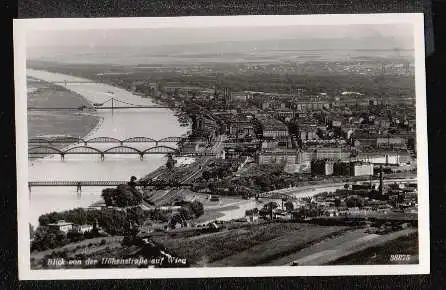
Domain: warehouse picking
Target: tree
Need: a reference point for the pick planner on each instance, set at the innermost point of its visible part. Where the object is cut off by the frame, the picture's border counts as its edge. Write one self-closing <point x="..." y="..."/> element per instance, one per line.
<point x="158" y="215"/>
<point x="289" y="206"/>
<point x="269" y="207"/>
<point x="206" y="175"/>
<point x="127" y="195"/>
<point x="354" y="201"/>
<point x="39" y="239"/>
<point x="170" y="164"/>
<point x="264" y="212"/>
<point x="132" y="183"/>
<point x="197" y="208"/>
<point x="136" y="215"/>
<point x="44" y="220"/>
<point x="264" y="182"/>
<point x="75" y="236"/>
<point x="337" y="202"/>
<point x="108" y="194"/>
<point x="186" y="213"/>
<point x="176" y="219"/>
<point x="308" y="200"/>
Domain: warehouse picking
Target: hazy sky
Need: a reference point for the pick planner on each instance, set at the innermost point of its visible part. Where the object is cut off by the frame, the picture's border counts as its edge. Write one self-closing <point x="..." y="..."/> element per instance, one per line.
<point x="402" y="35"/>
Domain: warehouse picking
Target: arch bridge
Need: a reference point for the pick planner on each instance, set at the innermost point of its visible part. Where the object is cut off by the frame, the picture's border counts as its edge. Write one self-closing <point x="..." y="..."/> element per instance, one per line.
<point x="102" y="139"/>
<point x="40" y="151"/>
<point x="88" y="150"/>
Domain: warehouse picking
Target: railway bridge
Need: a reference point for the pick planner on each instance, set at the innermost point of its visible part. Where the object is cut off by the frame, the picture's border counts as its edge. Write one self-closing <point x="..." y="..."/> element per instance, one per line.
<point x="102" y="183"/>
<point x="40" y="151"/>
<point x="39" y="141"/>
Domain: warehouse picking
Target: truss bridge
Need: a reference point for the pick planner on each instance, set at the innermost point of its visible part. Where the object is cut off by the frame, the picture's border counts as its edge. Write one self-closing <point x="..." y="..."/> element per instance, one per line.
<point x="101" y="183"/>
<point x="105" y="140"/>
<point x="40" y="151"/>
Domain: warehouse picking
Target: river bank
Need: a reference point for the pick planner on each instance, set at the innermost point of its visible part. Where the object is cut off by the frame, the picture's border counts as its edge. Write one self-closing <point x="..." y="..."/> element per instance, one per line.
<point x="47" y="123"/>
<point x="120" y="125"/>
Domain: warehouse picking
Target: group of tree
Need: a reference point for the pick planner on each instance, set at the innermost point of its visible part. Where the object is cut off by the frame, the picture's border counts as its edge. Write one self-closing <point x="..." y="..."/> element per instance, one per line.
<point x="190" y="210"/>
<point x="289" y="206"/>
<point x="251" y="212"/>
<point x="268" y="208"/>
<point x="354" y="201"/>
<point x="44" y="238"/>
<point x="305" y="212"/>
<point x="217" y="172"/>
<point x="160" y="215"/>
<point x="170" y="163"/>
<point x="122" y="196"/>
<point x="114" y="222"/>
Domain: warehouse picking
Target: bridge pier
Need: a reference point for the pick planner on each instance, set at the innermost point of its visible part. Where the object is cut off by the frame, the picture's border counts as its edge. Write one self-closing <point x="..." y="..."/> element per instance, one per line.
<point x="62" y="156"/>
<point x="102" y="157"/>
<point x="78" y="190"/>
<point x="141" y="156"/>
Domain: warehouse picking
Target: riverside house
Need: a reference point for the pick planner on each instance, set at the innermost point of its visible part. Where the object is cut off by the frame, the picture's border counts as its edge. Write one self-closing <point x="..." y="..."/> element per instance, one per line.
<point x="61" y="225"/>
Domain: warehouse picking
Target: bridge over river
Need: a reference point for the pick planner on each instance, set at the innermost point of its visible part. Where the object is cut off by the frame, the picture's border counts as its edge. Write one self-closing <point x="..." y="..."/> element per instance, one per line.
<point x="43" y="146"/>
<point x="113" y="104"/>
<point x="72" y="139"/>
<point x="102" y="183"/>
<point x="40" y="151"/>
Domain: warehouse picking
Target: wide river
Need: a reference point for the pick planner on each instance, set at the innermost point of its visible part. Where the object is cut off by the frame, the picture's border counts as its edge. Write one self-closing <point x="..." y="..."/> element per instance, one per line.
<point x="154" y="123"/>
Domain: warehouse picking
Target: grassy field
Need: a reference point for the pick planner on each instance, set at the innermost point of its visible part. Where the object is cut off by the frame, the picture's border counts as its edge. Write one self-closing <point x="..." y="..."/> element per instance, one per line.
<point x="279" y="247"/>
<point x="266" y="241"/>
<point x="381" y="255"/>
<point x="85" y="247"/>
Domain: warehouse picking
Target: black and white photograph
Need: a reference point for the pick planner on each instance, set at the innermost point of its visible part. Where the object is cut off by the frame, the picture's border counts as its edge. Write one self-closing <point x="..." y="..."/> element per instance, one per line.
<point x="221" y="146"/>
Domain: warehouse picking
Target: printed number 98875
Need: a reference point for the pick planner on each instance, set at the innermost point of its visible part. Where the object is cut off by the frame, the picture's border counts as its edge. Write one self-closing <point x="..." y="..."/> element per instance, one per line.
<point x="399" y="258"/>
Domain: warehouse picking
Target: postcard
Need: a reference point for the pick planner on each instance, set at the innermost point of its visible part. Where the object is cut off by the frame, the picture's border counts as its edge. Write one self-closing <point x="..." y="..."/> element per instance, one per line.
<point x="227" y="146"/>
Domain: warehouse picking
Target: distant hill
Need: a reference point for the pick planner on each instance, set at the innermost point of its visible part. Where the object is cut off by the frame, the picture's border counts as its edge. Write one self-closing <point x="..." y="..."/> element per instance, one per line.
<point x="239" y="51"/>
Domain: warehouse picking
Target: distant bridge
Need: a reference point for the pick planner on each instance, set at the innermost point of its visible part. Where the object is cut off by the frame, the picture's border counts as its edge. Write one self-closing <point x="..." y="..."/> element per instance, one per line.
<point x="101" y="183"/>
<point x="65" y="82"/>
<point x="83" y="108"/>
<point x="114" y="104"/>
<point x="73" y="139"/>
<point x="40" y="151"/>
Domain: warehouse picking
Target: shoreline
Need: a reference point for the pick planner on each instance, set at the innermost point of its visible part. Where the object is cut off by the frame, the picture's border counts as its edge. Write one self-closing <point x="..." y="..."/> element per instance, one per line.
<point x="49" y="88"/>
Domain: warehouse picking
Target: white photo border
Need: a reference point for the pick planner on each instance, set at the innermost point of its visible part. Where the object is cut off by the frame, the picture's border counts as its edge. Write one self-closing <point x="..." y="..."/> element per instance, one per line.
<point x="24" y="26"/>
